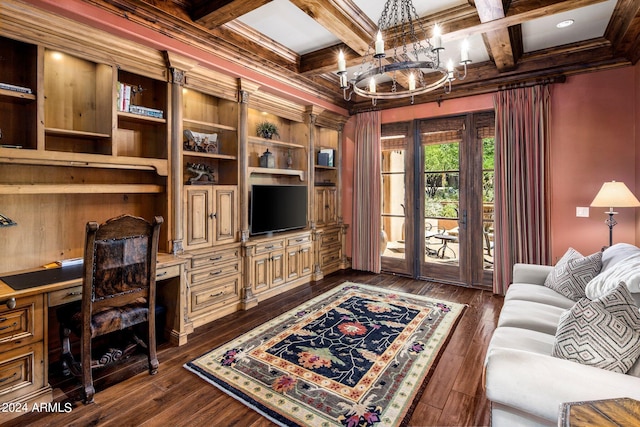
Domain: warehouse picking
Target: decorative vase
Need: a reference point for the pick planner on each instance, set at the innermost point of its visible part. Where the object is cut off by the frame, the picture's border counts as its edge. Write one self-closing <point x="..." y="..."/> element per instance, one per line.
<point x="383" y="242"/>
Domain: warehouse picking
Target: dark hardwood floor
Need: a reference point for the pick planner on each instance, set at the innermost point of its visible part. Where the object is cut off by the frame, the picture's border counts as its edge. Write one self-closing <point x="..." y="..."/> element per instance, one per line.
<point x="128" y="396"/>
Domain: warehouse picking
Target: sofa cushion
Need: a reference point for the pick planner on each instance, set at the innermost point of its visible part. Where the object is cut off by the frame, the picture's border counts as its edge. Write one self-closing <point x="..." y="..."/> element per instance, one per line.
<point x="537" y="293"/>
<point x="591" y="334"/>
<point x="616" y="253"/>
<point x="521" y="339"/>
<point x="531" y="315"/>
<point x="626" y="270"/>
<point x="572" y="273"/>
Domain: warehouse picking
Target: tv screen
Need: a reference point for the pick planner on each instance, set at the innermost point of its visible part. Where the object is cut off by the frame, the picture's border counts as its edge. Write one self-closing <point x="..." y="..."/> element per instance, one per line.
<point x="277" y="208"/>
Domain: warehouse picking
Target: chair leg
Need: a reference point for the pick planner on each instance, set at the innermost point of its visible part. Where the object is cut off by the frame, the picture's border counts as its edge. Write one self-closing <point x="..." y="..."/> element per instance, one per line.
<point x="151" y="350"/>
<point x="87" y="375"/>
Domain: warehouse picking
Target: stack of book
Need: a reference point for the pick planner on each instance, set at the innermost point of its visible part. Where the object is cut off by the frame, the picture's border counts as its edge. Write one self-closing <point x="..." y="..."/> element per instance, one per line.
<point x="125" y="93"/>
<point x="15" y="88"/>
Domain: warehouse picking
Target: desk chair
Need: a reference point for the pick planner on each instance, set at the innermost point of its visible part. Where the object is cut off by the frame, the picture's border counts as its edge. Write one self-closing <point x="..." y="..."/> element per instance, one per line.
<point x="118" y="292"/>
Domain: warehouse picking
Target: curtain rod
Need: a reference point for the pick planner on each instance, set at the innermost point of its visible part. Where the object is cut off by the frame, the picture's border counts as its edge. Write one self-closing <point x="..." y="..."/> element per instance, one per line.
<point x="547" y="81"/>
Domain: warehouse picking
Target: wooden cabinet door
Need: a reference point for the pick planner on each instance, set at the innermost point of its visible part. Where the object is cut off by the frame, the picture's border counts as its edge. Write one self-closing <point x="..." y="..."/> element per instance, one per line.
<point x="261" y="274"/>
<point x="331" y="203"/>
<point x="305" y="259"/>
<point x="277" y="268"/>
<point x="319" y="204"/>
<point x="293" y="263"/>
<point x="226" y="223"/>
<point x="198" y="217"/>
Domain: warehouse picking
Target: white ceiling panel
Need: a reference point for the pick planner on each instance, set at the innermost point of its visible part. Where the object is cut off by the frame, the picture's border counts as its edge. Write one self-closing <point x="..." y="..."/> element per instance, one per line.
<point x="589" y="22"/>
<point x="283" y="22"/>
<point x="373" y="8"/>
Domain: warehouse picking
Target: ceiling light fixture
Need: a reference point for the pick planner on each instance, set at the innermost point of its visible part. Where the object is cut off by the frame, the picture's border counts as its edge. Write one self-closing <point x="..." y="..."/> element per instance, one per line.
<point x="564" y="24"/>
<point x="411" y="60"/>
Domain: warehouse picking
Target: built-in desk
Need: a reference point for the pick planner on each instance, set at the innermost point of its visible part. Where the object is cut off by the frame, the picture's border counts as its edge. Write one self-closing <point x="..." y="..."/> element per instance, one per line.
<point x="23" y="327"/>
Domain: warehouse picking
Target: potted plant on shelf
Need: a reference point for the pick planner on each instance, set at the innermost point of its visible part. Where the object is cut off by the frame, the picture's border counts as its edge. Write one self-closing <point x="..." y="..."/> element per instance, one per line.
<point x="267" y="130"/>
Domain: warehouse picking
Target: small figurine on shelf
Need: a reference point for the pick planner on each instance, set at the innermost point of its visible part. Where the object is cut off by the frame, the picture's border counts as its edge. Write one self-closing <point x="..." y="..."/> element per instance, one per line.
<point x="267" y="130"/>
<point x="267" y="160"/>
<point x="289" y="158"/>
<point x="202" y="171"/>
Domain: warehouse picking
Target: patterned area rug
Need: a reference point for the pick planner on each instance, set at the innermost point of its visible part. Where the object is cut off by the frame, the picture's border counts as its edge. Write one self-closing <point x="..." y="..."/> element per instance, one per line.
<point x="355" y="356"/>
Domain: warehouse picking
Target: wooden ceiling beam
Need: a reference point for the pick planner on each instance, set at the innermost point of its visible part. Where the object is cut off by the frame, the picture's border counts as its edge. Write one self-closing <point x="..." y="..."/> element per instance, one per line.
<point x="214" y="13"/>
<point x="624" y="29"/>
<point x="343" y="19"/>
<point x="498" y="41"/>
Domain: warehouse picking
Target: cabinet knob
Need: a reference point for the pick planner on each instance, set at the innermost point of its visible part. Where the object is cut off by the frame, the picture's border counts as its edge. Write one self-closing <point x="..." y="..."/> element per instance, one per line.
<point x="212" y="215"/>
<point x="11" y="303"/>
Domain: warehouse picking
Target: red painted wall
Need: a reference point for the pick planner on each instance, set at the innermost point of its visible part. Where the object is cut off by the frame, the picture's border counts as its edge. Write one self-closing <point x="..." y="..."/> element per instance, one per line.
<point x="595" y="137"/>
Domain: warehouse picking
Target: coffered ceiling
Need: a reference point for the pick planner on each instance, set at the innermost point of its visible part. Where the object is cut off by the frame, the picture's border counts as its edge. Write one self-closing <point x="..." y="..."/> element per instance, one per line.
<point x="296" y="42"/>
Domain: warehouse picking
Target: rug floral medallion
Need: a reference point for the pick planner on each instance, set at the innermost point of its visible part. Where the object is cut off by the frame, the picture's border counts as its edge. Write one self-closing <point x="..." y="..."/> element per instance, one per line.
<point x="355" y="356"/>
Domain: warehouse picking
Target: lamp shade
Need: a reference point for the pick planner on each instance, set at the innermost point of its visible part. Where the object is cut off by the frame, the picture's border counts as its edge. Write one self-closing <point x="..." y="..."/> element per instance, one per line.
<point x="615" y="194"/>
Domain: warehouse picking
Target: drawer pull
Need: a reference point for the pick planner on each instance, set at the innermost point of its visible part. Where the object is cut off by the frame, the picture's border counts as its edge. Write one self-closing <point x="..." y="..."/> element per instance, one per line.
<point x="217" y="258"/>
<point x="9" y="326"/>
<point x="164" y="273"/>
<point x="72" y="294"/>
<point x="215" y="273"/>
<point x="8" y="378"/>
<point x="11" y="303"/>
<point x="269" y="247"/>
<point x="219" y="294"/>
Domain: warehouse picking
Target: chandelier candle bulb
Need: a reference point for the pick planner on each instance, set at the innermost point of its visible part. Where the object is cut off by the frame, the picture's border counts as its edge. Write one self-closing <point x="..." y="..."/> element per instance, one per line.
<point x="412" y="82"/>
<point x="379" y="44"/>
<point x="372" y="85"/>
<point x="437" y="37"/>
<point x="464" y="51"/>
<point x="342" y="64"/>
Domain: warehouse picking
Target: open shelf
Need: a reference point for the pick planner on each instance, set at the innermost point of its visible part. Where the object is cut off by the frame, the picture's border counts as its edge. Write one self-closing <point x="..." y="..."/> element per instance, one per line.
<point x="273" y="171"/>
<point x="20" y="96"/>
<point x="209" y="155"/>
<point x="207" y="125"/>
<point x="273" y="142"/>
<point x="76" y="133"/>
<point x="140" y="118"/>
<point x="80" y="188"/>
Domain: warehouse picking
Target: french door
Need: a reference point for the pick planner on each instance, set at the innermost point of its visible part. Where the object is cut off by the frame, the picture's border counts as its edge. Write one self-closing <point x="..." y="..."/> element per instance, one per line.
<point x="446" y="231"/>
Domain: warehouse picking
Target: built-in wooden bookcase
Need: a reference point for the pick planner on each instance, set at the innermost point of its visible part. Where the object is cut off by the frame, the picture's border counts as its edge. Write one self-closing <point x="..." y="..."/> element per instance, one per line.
<point x="77" y="104"/>
<point x="140" y="135"/>
<point x="290" y="150"/>
<point x="18" y="110"/>
<point x="207" y="114"/>
<point x="326" y="139"/>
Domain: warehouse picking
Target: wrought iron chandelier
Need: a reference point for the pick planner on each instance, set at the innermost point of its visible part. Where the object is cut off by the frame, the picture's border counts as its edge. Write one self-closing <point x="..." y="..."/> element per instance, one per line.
<point x="411" y="62"/>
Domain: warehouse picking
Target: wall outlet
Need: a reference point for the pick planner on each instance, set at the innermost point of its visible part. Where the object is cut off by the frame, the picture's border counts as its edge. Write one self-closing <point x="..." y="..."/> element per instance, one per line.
<point x="582" y="212"/>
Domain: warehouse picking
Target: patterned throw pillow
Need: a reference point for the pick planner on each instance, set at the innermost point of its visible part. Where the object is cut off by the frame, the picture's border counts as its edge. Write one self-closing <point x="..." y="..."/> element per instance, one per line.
<point x="621" y="304"/>
<point x="590" y="334"/>
<point x="572" y="273"/>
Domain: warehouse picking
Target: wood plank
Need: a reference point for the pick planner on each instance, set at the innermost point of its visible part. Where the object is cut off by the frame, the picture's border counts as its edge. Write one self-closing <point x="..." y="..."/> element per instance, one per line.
<point x="498" y="41"/>
<point x="81" y="189"/>
<point x="176" y="397"/>
<point x="212" y="14"/>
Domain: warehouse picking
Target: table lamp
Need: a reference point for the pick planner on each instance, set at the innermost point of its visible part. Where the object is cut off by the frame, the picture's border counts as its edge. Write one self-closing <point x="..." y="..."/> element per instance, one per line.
<point x="614" y="194"/>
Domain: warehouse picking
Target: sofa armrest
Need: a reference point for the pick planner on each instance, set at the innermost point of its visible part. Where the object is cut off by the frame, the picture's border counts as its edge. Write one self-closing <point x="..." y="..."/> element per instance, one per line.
<point x="538" y="384"/>
<point x="531" y="273"/>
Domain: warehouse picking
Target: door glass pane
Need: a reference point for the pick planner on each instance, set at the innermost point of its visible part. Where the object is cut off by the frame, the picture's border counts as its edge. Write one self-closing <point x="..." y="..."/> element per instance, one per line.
<point x="488" y="197"/>
<point x="393" y="208"/>
<point x="442" y="202"/>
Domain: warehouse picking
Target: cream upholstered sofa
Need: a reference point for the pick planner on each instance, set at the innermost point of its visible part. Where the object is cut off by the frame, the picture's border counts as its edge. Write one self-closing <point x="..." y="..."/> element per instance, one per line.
<point x="524" y="382"/>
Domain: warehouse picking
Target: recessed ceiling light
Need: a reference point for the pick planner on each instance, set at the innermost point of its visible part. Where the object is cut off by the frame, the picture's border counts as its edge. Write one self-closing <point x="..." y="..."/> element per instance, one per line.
<point x="564" y="24"/>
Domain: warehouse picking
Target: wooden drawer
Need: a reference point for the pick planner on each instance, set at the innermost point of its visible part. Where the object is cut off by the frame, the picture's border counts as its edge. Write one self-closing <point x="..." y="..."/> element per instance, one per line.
<point x="215" y="294"/>
<point x="199" y="276"/>
<point x="167" y="272"/>
<point x="330" y="238"/>
<point x="22" y="324"/>
<point x="64" y="296"/>
<point x="272" y="245"/>
<point x="330" y="256"/>
<point x="21" y="371"/>
<point x="298" y="240"/>
<point x="215" y="258"/>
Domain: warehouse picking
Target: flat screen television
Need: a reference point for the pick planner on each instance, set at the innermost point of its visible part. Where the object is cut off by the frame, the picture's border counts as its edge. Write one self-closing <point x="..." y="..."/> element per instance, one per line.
<point x="277" y="208"/>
